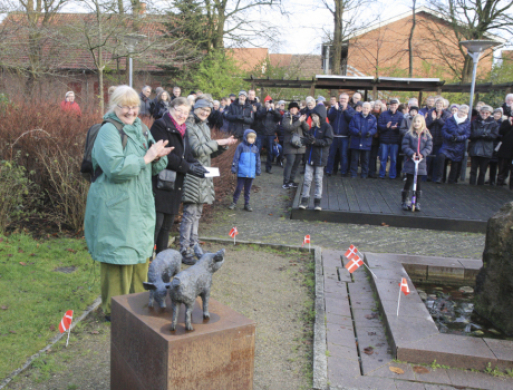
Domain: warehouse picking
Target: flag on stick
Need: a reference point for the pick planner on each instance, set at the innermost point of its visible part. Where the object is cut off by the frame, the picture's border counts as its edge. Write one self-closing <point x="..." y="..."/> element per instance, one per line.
<point x="354" y="263"/>
<point x="65" y="324"/>
<point x="233" y="233"/>
<point x="306" y="240"/>
<point x="403" y="287"/>
<point x="351" y="251"/>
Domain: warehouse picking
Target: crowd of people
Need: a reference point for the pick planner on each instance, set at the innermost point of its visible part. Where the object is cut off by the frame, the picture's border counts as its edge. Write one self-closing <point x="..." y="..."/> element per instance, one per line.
<point x="134" y="201"/>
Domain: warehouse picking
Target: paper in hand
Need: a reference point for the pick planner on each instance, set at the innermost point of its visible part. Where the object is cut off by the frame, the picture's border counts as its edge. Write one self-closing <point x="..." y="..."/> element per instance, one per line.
<point x="212" y="172"/>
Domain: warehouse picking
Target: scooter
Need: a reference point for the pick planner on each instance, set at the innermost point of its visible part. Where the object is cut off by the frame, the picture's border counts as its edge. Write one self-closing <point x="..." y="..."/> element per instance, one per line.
<point x="416" y="161"/>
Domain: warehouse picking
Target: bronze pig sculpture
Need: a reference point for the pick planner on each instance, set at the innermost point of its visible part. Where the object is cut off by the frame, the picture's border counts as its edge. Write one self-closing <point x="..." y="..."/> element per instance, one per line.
<point x="166" y="265"/>
<point x="191" y="283"/>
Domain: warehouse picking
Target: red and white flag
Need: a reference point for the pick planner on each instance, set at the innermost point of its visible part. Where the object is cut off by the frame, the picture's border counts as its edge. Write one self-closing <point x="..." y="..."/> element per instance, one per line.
<point x="66" y="321"/>
<point x="306" y="240"/>
<point x="404" y="286"/>
<point x="354" y="263"/>
<point x="234" y="232"/>
<point x="351" y="251"/>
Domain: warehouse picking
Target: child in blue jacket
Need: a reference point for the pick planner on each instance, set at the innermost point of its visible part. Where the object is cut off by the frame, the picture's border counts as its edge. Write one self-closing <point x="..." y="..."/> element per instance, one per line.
<point x="246" y="164"/>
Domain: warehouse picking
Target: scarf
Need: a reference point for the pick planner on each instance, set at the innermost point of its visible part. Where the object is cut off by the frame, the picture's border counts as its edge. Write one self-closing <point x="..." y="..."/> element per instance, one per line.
<point x="458" y="119"/>
<point x="181" y="128"/>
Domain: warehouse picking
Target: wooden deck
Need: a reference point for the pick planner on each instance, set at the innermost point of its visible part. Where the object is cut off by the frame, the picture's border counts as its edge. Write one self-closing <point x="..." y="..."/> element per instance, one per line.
<point x="457" y="207"/>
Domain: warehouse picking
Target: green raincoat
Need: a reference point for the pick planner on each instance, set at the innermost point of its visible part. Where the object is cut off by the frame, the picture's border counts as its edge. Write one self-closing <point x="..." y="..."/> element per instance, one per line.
<point x="120" y="213"/>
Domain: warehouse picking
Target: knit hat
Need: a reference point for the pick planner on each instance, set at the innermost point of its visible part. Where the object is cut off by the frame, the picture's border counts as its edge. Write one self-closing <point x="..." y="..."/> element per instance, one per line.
<point x="158" y="90"/>
<point x="201" y="103"/>
<point x="233" y="95"/>
<point x="268" y="98"/>
<point x="243" y="93"/>
<point x="499" y="110"/>
<point x="281" y="102"/>
<point x="393" y="101"/>
<point x="359" y="104"/>
<point x="293" y="104"/>
<point x="321" y="98"/>
<point x="414" y="108"/>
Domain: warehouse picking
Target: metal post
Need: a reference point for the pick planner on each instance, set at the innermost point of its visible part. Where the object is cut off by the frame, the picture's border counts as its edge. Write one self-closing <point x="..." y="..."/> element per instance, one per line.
<point x="130" y="76"/>
<point x="475" y="59"/>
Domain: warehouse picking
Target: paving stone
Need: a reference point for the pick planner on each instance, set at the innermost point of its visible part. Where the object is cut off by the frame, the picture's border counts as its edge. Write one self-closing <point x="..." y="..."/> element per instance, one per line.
<point x="384" y="372"/>
<point x="408" y="385"/>
<point x="439" y="376"/>
<point x="447" y="350"/>
<point x="334" y="286"/>
<point x="331" y="259"/>
<point x="364" y="383"/>
<point x="341" y="335"/>
<point x="428" y="386"/>
<point x="341" y="368"/>
<point x="332" y="318"/>
<point x="503" y="351"/>
<point x="346" y="352"/>
<point x="337" y="305"/>
<point x="479" y="380"/>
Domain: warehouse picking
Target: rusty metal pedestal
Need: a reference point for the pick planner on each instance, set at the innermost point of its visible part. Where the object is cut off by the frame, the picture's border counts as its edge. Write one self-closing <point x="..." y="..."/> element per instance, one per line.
<point x="146" y="355"/>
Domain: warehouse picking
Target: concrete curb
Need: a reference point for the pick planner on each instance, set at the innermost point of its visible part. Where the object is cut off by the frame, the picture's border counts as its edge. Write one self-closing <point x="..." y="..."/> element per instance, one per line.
<point x="29" y="361"/>
<point x="320" y="360"/>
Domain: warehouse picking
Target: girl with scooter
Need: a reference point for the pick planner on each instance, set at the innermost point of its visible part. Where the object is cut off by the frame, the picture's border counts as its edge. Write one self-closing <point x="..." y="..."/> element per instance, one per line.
<point x="417" y="145"/>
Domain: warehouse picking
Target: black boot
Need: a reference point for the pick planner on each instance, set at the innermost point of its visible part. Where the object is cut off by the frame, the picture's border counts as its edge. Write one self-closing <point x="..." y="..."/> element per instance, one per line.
<point x="304" y="203"/>
<point x="418" y="195"/>
<point x="317" y="204"/>
<point x="404" y="200"/>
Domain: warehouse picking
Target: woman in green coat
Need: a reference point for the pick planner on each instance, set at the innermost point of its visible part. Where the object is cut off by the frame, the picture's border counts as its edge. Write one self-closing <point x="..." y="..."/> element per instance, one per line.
<point x="120" y="212"/>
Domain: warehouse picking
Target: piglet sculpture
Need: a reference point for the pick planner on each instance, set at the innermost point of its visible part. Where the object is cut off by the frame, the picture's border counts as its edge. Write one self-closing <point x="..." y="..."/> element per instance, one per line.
<point x="166" y="265"/>
<point x="194" y="281"/>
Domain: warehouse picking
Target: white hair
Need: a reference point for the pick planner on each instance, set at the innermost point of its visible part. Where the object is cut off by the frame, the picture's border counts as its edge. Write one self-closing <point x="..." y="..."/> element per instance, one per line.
<point x="463" y="107"/>
<point x="413" y="102"/>
<point x="123" y="95"/>
<point x="343" y="94"/>
<point x="217" y="102"/>
<point x="309" y="99"/>
<point x="366" y="104"/>
<point x="145" y="88"/>
<point x="508" y="96"/>
<point x="486" y="108"/>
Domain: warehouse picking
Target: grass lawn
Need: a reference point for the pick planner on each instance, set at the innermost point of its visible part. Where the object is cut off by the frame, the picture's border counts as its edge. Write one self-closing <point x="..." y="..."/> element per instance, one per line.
<point x="39" y="281"/>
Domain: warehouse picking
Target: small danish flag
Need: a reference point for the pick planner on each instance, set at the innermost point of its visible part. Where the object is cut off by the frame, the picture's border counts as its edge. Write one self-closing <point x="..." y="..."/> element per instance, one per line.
<point x="404" y="286"/>
<point x="351" y="251"/>
<point x="355" y="263"/>
<point x="234" y="232"/>
<point x="66" y="321"/>
<point x="306" y="240"/>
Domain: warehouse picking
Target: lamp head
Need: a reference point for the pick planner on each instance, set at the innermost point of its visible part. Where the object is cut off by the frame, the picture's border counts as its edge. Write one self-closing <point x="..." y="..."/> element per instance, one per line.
<point x="478" y="45"/>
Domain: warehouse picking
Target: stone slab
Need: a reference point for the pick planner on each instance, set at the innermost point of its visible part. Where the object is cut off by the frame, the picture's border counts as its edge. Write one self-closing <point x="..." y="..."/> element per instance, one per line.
<point x="503" y="351"/>
<point x="217" y="354"/>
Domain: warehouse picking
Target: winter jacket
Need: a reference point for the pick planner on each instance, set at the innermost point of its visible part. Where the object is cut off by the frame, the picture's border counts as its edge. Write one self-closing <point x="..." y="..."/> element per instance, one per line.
<point x="317" y="153"/>
<point x="482" y="135"/>
<point x="455" y="150"/>
<point x="161" y="108"/>
<point x="119" y="221"/>
<point x="362" y="130"/>
<point x="71" y="108"/>
<point x="339" y="120"/>
<point x="215" y="120"/>
<point x="506" y="149"/>
<point x="246" y="160"/>
<point x="240" y="117"/>
<point x="179" y="160"/>
<point x="292" y="125"/>
<point x="410" y="145"/>
<point x="405" y="125"/>
<point x="506" y="110"/>
<point x="435" y="126"/>
<point x="200" y="190"/>
<point x="145" y="107"/>
<point x="267" y="121"/>
<point x="388" y="135"/>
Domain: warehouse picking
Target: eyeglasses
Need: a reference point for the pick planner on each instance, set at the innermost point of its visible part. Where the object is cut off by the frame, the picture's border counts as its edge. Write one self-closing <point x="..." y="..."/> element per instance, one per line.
<point x="205" y="110"/>
<point x="180" y="112"/>
<point x="127" y="108"/>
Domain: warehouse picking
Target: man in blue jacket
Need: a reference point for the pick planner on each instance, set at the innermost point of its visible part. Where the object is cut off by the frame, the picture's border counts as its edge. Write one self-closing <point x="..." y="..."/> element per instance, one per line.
<point x="362" y="128"/>
<point x="339" y="115"/>
<point x="389" y="138"/>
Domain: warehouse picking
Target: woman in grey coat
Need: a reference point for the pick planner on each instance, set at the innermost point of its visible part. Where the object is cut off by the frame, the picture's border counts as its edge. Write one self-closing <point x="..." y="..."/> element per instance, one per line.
<point x="292" y="124"/>
<point x="417" y="143"/>
<point x="198" y="191"/>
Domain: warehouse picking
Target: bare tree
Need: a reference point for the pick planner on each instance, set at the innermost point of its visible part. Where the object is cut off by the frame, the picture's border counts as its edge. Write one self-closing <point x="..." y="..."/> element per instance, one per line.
<point x="410" y="39"/>
<point x="473" y="19"/>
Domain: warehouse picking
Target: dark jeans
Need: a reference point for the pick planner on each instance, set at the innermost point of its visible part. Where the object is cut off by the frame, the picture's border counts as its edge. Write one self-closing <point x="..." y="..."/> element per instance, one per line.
<point x="163" y="226"/>
<point x="504" y="171"/>
<point x="493" y="171"/>
<point x="363" y="156"/>
<point x="341" y="145"/>
<point x="291" y="167"/>
<point x="482" y="164"/>
<point x="245" y="182"/>
<point x="409" y="182"/>
<point x="268" y="143"/>
<point x="373" y="160"/>
<point x="431" y="164"/>
<point x="440" y="166"/>
<point x="387" y="151"/>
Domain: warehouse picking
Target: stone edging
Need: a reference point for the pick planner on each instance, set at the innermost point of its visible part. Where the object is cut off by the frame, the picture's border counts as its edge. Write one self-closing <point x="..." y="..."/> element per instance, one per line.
<point x="29" y="361"/>
<point x="320" y="360"/>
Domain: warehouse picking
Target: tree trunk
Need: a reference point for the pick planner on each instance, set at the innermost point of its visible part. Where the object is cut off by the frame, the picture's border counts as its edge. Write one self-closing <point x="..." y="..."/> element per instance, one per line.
<point x="468" y="67"/>
<point x="410" y="41"/>
<point x="337" y="36"/>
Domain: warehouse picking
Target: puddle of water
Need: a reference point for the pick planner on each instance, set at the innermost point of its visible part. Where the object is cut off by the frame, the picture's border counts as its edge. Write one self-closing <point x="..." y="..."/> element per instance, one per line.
<point x="452" y="310"/>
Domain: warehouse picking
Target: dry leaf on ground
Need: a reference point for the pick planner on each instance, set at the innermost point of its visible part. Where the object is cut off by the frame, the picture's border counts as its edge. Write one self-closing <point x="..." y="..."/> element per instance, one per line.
<point x="421" y="370"/>
<point x="368" y="350"/>
<point x="397" y="370"/>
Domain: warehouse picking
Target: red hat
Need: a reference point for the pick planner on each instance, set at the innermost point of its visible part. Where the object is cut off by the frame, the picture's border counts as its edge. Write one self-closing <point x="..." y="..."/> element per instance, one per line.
<point x="268" y="98"/>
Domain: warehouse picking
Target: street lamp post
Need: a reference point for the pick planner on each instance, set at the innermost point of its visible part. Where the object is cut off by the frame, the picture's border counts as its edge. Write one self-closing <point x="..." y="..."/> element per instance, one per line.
<point x="131" y="41"/>
<point x="474" y="49"/>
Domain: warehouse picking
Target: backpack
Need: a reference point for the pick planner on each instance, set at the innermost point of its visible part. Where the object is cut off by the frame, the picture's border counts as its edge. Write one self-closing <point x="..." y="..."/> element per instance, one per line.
<point x="86" y="169"/>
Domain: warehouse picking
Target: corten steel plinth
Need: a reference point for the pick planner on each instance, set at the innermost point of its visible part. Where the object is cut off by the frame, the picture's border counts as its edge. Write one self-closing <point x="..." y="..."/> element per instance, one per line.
<point x="145" y="354"/>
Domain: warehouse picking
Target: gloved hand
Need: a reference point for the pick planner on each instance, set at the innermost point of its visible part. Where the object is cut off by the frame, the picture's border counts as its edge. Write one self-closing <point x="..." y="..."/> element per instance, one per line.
<point x="197" y="170"/>
<point x="368" y="135"/>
